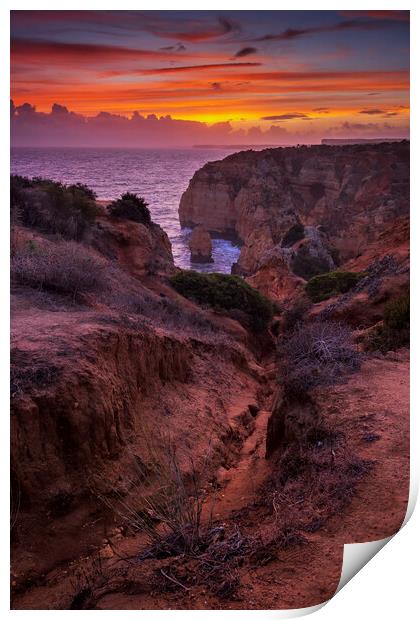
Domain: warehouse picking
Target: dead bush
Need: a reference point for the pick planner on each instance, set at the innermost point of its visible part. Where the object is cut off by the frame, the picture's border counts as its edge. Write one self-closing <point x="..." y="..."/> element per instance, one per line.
<point x="161" y="500"/>
<point x="64" y="267"/>
<point x="309" y="484"/>
<point x="217" y="566"/>
<point x="25" y="374"/>
<point x="316" y="354"/>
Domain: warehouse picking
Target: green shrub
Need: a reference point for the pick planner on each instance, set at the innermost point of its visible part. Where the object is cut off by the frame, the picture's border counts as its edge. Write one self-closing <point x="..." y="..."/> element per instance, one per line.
<point x="397" y="312"/>
<point x="225" y="293"/>
<point x="395" y="331"/>
<point x="131" y="207"/>
<point x="52" y="207"/>
<point x="307" y="266"/>
<point x="327" y="285"/>
<point x="295" y="233"/>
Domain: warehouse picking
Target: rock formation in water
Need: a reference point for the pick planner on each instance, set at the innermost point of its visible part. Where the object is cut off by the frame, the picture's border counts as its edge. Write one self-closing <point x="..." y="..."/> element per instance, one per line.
<point x="289" y="205"/>
<point x="200" y="246"/>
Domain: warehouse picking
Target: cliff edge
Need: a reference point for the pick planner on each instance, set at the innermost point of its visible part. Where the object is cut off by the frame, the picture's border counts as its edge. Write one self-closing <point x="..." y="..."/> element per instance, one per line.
<point x="285" y="204"/>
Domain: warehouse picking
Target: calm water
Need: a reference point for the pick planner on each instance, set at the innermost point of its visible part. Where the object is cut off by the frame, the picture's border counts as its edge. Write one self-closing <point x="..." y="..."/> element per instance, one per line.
<point x="160" y="176"/>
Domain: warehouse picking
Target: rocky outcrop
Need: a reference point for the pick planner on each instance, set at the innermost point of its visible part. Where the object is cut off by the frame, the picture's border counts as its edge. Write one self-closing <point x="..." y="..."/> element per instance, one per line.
<point x="275" y="280"/>
<point x="140" y="249"/>
<point x="200" y="246"/>
<point x="386" y="263"/>
<point x="349" y="194"/>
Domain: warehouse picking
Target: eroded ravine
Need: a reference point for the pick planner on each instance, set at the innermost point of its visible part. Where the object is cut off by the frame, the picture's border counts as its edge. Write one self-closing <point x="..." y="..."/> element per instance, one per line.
<point x="362" y="410"/>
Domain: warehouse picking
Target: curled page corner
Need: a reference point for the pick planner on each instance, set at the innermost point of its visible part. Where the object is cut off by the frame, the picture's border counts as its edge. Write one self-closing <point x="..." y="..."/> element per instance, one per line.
<point x="356" y="556"/>
<point x="295" y="613"/>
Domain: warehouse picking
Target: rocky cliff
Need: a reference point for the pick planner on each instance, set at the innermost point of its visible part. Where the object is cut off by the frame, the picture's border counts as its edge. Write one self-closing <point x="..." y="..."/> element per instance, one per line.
<point x="340" y="197"/>
<point x="138" y="248"/>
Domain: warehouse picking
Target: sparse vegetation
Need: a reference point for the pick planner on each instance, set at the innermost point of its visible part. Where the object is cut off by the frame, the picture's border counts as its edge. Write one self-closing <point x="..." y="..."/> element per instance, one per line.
<point x="52" y="207"/>
<point x="161" y="501"/>
<point x="130" y="207"/>
<point x="293" y="315"/>
<point x="316" y="354"/>
<point x="64" y="267"/>
<point x="225" y="293"/>
<point x="395" y="331"/>
<point x="328" y="285"/>
<point x="165" y="502"/>
<point x="307" y="266"/>
<point x="25" y="373"/>
<point x="307" y="470"/>
<point x="397" y="313"/>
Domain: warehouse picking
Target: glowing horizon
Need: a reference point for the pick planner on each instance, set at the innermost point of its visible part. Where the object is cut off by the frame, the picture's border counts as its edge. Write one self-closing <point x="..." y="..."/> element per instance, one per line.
<point x="300" y="73"/>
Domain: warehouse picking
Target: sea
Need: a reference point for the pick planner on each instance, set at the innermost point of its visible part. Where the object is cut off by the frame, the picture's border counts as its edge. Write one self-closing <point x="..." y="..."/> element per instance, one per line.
<point x="159" y="175"/>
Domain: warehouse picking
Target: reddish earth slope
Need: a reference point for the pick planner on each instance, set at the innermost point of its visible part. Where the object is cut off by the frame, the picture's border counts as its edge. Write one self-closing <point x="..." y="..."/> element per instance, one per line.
<point x="370" y="412"/>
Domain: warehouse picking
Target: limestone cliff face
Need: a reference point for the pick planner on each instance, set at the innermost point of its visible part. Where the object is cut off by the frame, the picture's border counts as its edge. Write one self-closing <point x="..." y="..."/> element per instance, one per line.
<point x="139" y="249"/>
<point x="351" y="192"/>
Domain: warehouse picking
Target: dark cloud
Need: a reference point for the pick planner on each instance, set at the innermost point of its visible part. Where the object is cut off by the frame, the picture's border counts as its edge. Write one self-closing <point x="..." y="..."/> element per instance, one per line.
<point x="372" y="111"/>
<point x="197" y="30"/>
<point x="25" y="110"/>
<point x="322" y="110"/>
<point x="59" y="109"/>
<point x="158" y="24"/>
<point x="390" y="114"/>
<point x="179" y="47"/>
<point x="246" y="51"/>
<point x="294" y="33"/>
<point x="61" y="127"/>
<point x="368" y="130"/>
<point x="38" y="51"/>
<point x="216" y="86"/>
<point x="284" y="117"/>
<point x="220" y="65"/>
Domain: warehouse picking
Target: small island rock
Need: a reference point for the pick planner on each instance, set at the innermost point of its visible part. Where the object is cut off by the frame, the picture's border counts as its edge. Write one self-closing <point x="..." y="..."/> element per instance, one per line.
<point x="200" y="246"/>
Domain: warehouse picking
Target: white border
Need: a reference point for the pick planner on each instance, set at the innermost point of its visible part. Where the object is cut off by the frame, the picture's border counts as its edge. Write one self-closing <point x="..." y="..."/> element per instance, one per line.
<point x="387" y="586"/>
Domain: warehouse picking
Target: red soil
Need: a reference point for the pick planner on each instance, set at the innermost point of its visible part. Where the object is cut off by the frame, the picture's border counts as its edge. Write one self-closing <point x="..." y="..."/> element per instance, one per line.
<point x="371" y="410"/>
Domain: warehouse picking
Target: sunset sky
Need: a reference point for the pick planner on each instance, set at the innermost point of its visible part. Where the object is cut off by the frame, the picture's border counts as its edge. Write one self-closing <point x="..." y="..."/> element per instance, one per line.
<point x="301" y="72"/>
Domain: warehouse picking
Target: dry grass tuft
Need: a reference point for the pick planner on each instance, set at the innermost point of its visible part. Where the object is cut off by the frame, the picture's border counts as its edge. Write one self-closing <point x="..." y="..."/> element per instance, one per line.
<point x="311" y="481"/>
<point x="64" y="267"/>
<point x="162" y="501"/>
